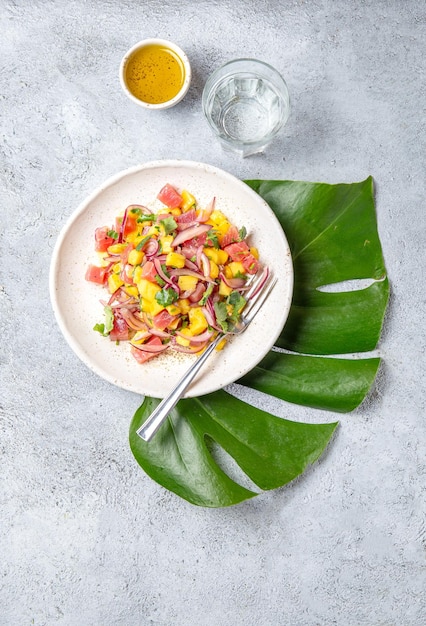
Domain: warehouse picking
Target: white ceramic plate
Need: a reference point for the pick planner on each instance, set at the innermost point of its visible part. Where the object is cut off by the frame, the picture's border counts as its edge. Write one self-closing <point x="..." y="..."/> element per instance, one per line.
<point x="76" y="301"/>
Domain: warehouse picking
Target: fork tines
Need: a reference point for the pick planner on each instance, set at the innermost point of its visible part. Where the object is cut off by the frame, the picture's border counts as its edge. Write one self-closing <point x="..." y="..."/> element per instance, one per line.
<point x="260" y="289"/>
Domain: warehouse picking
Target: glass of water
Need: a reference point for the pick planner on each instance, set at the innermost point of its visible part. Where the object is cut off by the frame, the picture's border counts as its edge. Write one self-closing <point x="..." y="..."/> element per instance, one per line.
<point x="246" y="103"/>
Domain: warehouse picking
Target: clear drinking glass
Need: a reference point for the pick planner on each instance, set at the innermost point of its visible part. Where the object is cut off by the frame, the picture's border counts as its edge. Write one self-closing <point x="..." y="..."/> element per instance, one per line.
<point x="246" y="103"/>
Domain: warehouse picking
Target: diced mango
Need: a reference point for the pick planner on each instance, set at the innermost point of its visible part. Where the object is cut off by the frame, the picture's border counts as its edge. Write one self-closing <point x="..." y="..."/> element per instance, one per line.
<point x="214" y="270"/>
<point x="135" y="257"/>
<point x="187" y="283"/>
<point x="114" y="282"/>
<point x="174" y="259"/>
<point x="188" y="200"/>
<point x="147" y="289"/>
<point x="222" y="229"/>
<point x="137" y="273"/>
<point x="224" y="290"/>
<point x="182" y="341"/>
<point x="165" y="242"/>
<point x="211" y="253"/>
<point x="117" y="248"/>
<point x="236" y="268"/>
<point x="153" y="231"/>
<point x="218" y="256"/>
<point x="133" y="236"/>
<point x="172" y="309"/>
<point x="132" y="290"/>
<point x="151" y="307"/>
<point x="184" y="305"/>
<point x="217" y="217"/>
<point x="255" y="252"/>
<point x="197" y="321"/>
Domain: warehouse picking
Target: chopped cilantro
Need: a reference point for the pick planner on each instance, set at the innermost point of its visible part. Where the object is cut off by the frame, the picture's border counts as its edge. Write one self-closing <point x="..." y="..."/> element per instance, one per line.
<point x="159" y="280"/>
<point x="146" y="218"/>
<point x="107" y="327"/>
<point x="228" y="311"/>
<point x="221" y="313"/>
<point x="242" y="233"/>
<point x="112" y="233"/>
<point x="169" y="225"/>
<point x="206" y="295"/>
<point x="142" y="242"/>
<point x="166" y="296"/>
<point x="212" y="239"/>
<point x="237" y="303"/>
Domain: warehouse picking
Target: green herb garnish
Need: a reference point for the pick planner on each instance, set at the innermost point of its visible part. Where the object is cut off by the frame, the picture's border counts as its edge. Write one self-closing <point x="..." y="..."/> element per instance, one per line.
<point x="166" y="296"/>
<point x="169" y="225"/>
<point x="242" y="233"/>
<point x="105" y="328"/>
<point x="142" y="242"/>
<point x="212" y="239"/>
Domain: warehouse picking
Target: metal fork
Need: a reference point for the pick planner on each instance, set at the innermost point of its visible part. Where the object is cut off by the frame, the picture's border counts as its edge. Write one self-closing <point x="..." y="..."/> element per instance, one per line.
<point x="258" y="292"/>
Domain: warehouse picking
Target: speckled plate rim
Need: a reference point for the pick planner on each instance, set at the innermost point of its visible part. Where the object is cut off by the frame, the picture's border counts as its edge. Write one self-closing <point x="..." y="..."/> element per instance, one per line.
<point x="76" y="302"/>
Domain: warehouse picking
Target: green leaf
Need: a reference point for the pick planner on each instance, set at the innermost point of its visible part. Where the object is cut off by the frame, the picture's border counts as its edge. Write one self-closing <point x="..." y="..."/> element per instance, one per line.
<point x="166" y="296"/>
<point x="322" y="383"/>
<point x="106" y="328"/>
<point x="169" y="225"/>
<point x="270" y="450"/>
<point x="332" y="232"/>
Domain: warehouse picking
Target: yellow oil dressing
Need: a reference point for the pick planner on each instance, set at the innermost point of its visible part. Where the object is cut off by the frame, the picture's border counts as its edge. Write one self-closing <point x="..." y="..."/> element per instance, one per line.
<point x="155" y="74"/>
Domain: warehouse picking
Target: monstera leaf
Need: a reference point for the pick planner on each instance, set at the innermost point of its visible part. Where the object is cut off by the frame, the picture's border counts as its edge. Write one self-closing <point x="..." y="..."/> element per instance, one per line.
<point x="270" y="450"/>
<point x="318" y="360"/>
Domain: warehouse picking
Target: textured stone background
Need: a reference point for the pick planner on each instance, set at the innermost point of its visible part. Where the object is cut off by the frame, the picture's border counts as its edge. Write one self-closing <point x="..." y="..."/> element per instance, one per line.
<point x="86" y="537"/>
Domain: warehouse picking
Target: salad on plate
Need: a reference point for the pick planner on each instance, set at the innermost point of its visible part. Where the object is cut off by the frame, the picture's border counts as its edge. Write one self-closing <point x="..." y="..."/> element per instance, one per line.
<point x="174" y="276"/>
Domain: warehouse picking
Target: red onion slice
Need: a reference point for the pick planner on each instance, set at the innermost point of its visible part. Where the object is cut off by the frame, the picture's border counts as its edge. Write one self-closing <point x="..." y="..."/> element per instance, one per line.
<point x="234" y="283"/>
<point x="205" y="213"/>
<point x="151" y="247"/>
<point x="161" y="273"/>
<point x="190" y="233"/>
<point x="122" y="227"/>
<point x="187" y="272"/>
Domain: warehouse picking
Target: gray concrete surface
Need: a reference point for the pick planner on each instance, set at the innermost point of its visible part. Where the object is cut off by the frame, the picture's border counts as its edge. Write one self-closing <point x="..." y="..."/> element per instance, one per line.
<point x="86" y="538"/>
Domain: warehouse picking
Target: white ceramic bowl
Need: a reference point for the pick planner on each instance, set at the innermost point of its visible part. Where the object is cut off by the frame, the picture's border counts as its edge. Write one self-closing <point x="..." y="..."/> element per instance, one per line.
<point x="167" y="44"/>
<point x="76" y="302"/>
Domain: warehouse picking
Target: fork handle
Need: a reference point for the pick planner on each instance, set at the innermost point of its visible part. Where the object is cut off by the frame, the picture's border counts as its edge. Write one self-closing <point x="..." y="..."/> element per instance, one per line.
<point x="158" y="416"/>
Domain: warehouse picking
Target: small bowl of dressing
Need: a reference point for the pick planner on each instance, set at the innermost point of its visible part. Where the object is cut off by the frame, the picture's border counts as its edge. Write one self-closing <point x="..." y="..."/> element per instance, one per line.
<point x="155" y="74"/>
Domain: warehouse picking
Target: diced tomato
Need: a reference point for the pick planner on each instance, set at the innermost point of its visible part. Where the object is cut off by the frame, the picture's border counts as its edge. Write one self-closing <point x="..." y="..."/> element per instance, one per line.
<point x="196" y="242"/>
<point x="102" y="241"/>
<point x="96" y="274"/>
<point x="170" y="197"/>
<point x="140" y="355"/>
<point x="186" y="219"/>
<point x="131" y="224"/>
<point x="120" y="331"/>
<point x="232" y="235"/>
<point x="162" y="319"/>
<point x="148" y="271"/>
<point x="237" y="250"/>
<point x="250" y="263"/>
